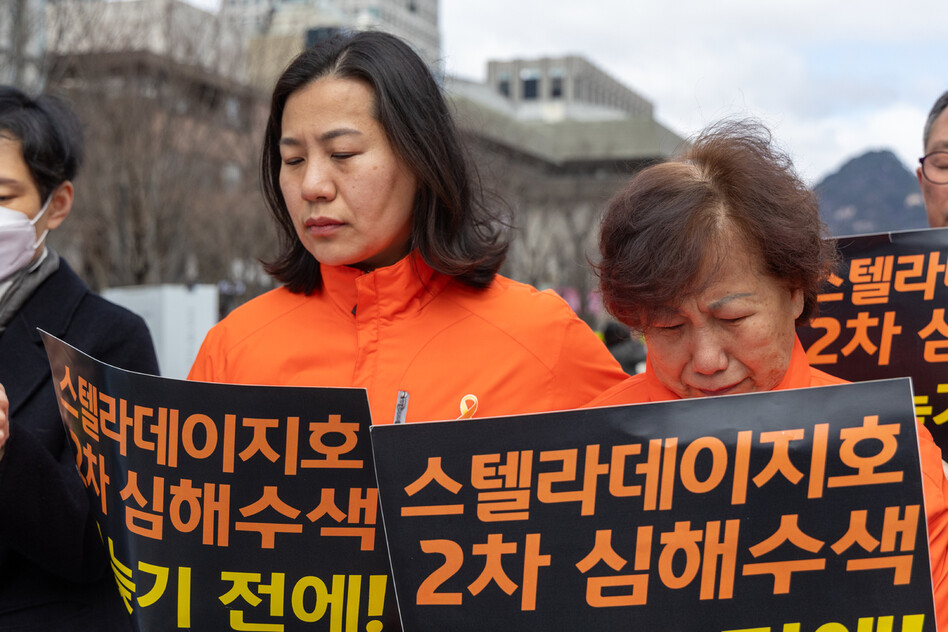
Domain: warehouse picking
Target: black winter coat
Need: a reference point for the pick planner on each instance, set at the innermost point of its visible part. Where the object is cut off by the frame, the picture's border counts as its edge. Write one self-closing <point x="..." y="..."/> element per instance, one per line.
<point x="54" y="571"/>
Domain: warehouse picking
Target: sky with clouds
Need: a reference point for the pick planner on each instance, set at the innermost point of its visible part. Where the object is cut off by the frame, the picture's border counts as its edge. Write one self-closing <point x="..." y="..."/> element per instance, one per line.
<point x="831" y="79"/>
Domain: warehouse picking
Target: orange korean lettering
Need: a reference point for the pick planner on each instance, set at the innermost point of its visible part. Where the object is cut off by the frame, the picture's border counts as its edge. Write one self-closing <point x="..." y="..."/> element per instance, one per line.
<point x="883" y="436"/>
<point x="592" y="469"/>
<point x="829" y="296"/>
<point x="65" y="384"/>
<point x="782" y="571"/>
<point x="259" y="443"/>
<point x="861" y="324"/>
<point x="428" y="594"/>
<point x="904" y="278"/>
<point x="333" y="454"/>
<point x="659" y="480"/>
<point x="208" y="505"/>
<point x="689" y="459"/>
<point x="682" y="539"/>
<point x="832" y="329"/>
<point x="508" y="479"/>
<point x="902" y="528"/>
<point x="327" y="507"/>
<point x="871" y="279"/>
<point x="92" y="470"/>
<point x="896" y="528"/>
<point x="138" y="426"/>
<point x="935" y="350"/>
<point x="89" y="405"/>
<point x="433" y="473"/>
<point x="532" y="562"/>
<point x="779" y="457"/>
<point x="818" y="460"/>
<point x="210" y="436"/>
<point x="358" y="504"/>
<point x="493" y="550"/>
<point x="115" y="422"/>
<point x="166" y="428"/>
<point x="602" y="551"/>
<point x="149" y="524"/>
<point x="723" y="548"/>
<point x="745" y="439"/>
<point x="268" y="530"/>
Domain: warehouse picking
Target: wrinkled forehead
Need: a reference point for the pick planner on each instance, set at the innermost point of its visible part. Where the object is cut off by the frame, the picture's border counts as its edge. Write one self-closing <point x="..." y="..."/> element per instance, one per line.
<point x="724" y="252"/>
<point x="723" y="247"/>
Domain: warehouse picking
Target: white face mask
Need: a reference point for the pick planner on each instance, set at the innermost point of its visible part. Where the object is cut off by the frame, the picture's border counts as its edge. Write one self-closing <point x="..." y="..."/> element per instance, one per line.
<point x="18" y="242"/>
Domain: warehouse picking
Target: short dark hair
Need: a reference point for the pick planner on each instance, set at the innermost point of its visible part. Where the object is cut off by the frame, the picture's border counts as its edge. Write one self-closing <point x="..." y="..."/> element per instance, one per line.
<point x="452" y="229"/>
<point x="940" y="104"/>
<point x="674" y="219"/>
<point x="49" y="133"/>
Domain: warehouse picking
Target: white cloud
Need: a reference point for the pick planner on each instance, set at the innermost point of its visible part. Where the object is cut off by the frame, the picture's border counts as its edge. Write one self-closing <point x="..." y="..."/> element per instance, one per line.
<point x="832" y="79"/>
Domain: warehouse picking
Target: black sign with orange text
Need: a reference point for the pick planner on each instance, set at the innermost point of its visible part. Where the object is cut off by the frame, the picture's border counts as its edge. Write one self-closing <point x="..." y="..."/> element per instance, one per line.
<point x="787" y="511"/>
<point x="882" y="315"/>
<point x="230" y="507"/>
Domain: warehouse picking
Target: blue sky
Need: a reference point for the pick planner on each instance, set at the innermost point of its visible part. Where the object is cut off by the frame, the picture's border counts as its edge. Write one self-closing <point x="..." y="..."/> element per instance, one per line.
<point x="831" y="79"/>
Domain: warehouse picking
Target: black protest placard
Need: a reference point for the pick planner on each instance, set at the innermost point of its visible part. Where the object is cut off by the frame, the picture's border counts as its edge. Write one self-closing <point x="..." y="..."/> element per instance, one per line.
<point x="882" y="315"/>
<point x="230" y="507"/>
<point x="784" y="511"/>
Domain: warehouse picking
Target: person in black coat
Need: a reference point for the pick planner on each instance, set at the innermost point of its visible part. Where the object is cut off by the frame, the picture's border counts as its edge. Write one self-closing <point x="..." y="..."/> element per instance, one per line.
<point x="54" y="569"/>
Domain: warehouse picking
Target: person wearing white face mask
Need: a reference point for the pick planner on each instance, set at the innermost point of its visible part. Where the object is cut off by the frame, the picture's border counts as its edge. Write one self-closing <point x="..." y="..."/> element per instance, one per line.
<point x="54" y="571"/>
<point x="18" y="240"/>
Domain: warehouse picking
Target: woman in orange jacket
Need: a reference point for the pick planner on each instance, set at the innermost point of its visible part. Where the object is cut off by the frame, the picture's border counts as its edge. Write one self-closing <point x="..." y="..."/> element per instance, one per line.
<point x="389" y="259"/>
<point x="716" y="257"/>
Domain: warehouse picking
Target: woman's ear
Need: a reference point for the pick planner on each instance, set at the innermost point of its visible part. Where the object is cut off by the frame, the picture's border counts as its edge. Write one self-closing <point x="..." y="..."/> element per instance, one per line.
<point x="59" y="205"/>
<point x="796" y="302"/>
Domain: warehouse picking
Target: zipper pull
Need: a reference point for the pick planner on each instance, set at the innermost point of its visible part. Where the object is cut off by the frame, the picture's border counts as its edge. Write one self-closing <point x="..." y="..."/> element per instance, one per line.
<point x="401" y="407"/>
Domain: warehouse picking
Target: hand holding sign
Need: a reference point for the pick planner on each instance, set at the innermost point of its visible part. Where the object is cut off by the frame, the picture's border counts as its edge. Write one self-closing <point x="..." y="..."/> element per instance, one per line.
<point x="4" y="419"/>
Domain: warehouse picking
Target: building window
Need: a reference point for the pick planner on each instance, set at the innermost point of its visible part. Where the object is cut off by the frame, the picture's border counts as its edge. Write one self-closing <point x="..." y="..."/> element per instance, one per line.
<point x="529" y="84"/>
<point x="503" y="84"/>
<point x="556" y="83"/>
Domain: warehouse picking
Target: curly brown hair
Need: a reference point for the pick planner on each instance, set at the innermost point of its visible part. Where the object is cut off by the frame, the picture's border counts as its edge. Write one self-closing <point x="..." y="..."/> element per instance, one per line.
<point x="673" y="222"/>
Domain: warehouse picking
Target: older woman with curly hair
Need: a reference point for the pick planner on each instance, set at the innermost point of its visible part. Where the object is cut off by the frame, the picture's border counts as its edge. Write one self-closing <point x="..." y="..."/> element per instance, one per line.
<point x="715" y="257"/>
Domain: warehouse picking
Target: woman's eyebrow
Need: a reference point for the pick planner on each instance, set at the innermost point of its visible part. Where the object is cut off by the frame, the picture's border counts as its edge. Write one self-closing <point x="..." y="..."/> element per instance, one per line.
<point x="336" y="133"/>
<point x="292" y="141"/>
<point x="721" y="302"/>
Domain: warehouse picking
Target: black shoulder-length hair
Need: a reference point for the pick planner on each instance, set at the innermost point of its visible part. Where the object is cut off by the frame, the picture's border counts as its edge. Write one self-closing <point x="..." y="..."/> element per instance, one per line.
<point x="49" y="133"/>
<point x="452" y="229"/>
